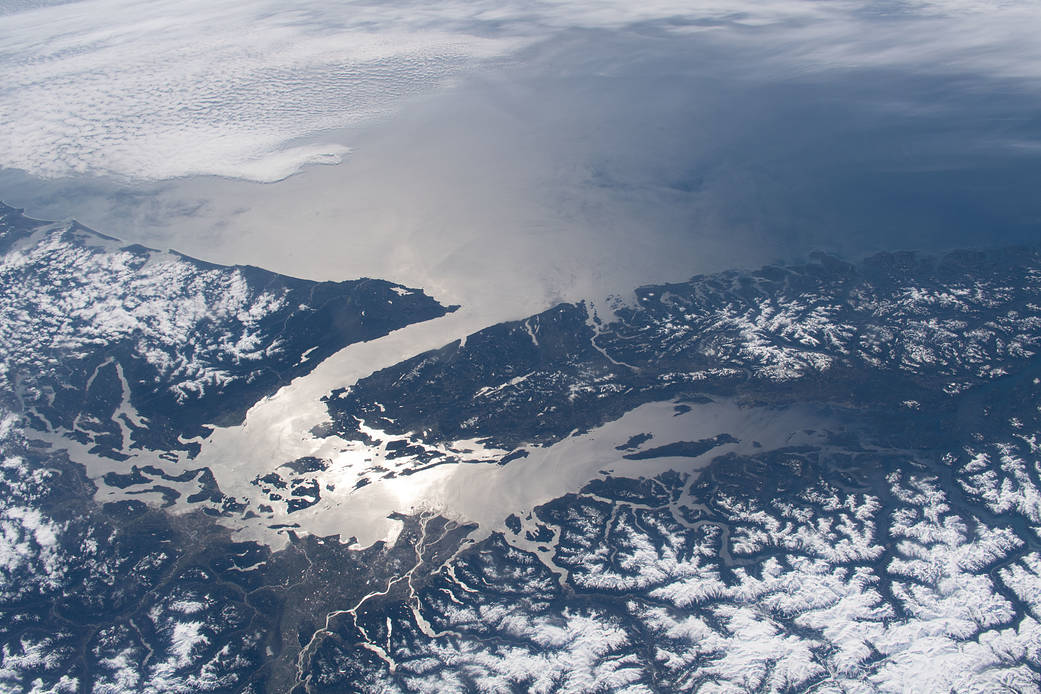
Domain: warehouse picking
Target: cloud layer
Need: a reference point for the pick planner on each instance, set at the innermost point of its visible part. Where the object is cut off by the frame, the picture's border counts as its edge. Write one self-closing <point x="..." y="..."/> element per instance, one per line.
<point x="160" y="90"/>
<point x="172" y="88"/>
<point x="168" y="89"/>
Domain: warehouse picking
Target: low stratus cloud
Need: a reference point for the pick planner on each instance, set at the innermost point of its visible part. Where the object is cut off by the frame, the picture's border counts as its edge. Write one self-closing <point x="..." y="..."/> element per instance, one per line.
<point x="160" y="89"/>
<point x="156" y="90"/>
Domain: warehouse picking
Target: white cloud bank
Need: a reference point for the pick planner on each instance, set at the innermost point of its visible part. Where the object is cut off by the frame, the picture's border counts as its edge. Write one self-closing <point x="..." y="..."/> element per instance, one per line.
<point x="157" y="90"/>
<point x="161" y="89"/>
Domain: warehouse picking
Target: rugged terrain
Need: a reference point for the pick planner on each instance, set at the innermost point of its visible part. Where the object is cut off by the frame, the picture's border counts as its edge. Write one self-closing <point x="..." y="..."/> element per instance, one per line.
<point x="886" y="538"/>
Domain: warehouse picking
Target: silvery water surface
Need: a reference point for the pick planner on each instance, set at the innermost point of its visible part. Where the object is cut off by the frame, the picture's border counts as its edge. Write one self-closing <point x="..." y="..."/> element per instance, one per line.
<point x="512" y="158"/>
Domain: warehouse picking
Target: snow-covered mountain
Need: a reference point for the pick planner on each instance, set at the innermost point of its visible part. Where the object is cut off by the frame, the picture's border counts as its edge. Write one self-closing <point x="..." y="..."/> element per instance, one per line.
<point x="822" y="477"/>
<point x="119" y="348"/>
<point x="895" y="328"/>
<point x="90" y="326"/>
<point x="901" y="552"/>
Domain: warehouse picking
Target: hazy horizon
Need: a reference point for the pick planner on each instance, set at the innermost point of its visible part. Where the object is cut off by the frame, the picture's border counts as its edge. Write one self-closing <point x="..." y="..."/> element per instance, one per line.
<point x="544" y="154"/>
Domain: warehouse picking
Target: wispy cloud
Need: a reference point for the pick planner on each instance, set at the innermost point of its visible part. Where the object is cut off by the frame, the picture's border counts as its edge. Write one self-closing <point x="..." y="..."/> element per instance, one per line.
<point x="158" y="90"/>
<point x="169" y="88"/>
